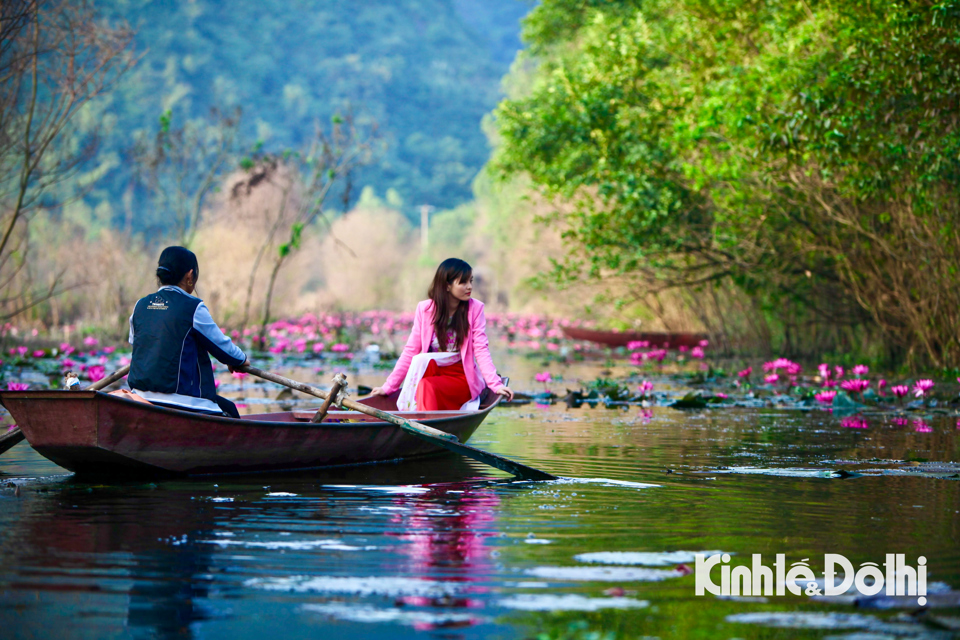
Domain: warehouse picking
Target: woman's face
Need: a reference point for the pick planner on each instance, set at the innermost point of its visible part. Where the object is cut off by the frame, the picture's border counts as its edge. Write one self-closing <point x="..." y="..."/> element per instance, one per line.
<point x="461" y="290"/>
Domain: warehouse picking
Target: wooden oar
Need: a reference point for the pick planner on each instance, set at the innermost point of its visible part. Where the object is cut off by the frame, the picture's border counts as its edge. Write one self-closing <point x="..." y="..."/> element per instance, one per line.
<point x="110" y="379"/>
<point x="434" y="436"/>
<point x="10" y="438"/>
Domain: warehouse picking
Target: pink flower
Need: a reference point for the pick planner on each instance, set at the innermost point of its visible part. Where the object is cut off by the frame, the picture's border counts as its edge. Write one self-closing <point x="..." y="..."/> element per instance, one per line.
<point x="318" y="347"/>
<point x="696" y="352"/>
<point x="720" y="395"/>
<point x="96" y="372"/>
<point x="39" y="353"/>
<point x="922" y="427"/>
<point x="216" y="384"/>
<point x="21" y="351"/>
<point x="880" y="386"/>
<point x="900" y="421"/>
<point x="645" y="387"/>
<point x="11" y="428"/>
<point x="239" y="375"/>
<point x="704" y="343"/>
<point x="633" y="345"/>
<point x="920" y="387"/>
<point x="861" y="370"/>
<point x="771" y="379"/>
<point x="543" y="377"/>
<point x="90" y="341"/>
<point x="829" y="383"/>
<point x="825" y="397"/>
<point x="67" y="363"/>
<point x="838" y="370"/>
<point x="340" y="347"/>
<point x="824" y="371"/>
<point x="683" y="348"/>
<point x="899" y="390"/>
<point x="745" y="373"/>
<point x="17" y="386"/>
<point x="109" y="349"/>
<point x="855" y="385"/>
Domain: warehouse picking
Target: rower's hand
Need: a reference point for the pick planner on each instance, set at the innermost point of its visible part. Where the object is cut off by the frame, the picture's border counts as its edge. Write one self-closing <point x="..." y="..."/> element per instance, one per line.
<point x="506" y="392"/>
<point x="246" y="363"/>
<point x="378" y="392"/>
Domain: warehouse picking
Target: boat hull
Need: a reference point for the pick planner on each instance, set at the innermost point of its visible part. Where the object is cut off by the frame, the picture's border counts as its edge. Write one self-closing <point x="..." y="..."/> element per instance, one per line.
<point x="623" y="338"/>
<point x="96" y="433"/>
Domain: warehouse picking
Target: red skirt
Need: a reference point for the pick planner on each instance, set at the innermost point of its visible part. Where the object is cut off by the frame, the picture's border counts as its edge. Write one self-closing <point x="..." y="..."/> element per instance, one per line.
<point x="443" y="388"/>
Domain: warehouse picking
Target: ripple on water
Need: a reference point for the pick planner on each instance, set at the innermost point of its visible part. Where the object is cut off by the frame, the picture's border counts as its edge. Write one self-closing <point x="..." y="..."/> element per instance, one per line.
<point x="645" y="558"/>
<point x="393" y="587"/>
<point x="603" y="574"/>
<point x="380" y="615"/>
<point x="293" y="545"/>
<point x="569" y="602"/>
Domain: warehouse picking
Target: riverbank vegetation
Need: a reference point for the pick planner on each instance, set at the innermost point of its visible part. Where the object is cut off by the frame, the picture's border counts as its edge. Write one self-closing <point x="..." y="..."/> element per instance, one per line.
<point x="802" y="157"/>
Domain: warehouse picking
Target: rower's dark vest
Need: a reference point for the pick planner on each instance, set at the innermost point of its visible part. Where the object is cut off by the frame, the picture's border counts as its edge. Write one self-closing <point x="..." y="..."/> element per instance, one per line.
<point x="166" y="357"/>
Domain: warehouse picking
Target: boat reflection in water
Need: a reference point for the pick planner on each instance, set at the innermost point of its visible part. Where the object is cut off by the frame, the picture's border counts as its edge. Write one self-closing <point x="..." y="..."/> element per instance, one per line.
<point x="148" y="558"/>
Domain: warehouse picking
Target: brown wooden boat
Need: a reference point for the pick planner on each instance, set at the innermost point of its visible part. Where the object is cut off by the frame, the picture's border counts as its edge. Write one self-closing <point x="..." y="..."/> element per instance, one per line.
<point x="97" y="433"/>
<point x="10" y="438"/>
<point x="623" y="338"/>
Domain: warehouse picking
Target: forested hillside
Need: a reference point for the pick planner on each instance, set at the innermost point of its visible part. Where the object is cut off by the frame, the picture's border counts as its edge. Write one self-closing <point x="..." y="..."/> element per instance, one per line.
<point x="425" y="71"/>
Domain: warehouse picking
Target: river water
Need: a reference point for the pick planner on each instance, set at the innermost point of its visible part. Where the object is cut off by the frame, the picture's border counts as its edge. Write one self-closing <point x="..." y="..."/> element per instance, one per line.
<point x="447" y="548"/>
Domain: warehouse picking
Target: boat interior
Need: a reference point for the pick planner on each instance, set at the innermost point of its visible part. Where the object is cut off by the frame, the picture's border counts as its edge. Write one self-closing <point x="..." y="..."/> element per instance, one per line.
<point x="384" y="403"/>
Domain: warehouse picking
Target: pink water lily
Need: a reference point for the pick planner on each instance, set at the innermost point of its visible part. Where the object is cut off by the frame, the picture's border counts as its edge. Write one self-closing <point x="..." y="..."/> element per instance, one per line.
<point x="861" y="370"/>
<point x="899" y="390"/>
<point x="771" y="379"/>
<point x="824" y="371"/>
<point x="920" y="387"/>
<point x="745" y="373"/>
<point x="696" y="352"/>
<point x="543" y="376"/>
<point x="645" y="387"/>
<point x="855" y="385"/>
<point x="239" y="375"/>
<point x="90" y="341"/>
<point x="921" y="427"/>
<point x="96" y="372"/>
<point x="17" y="386"/>
<point x="825" y="397"/>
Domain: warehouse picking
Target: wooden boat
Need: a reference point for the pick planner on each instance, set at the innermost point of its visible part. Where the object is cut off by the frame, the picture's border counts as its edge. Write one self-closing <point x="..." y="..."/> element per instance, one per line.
<point x="91" y="432"/>
<point x="10" y="438"/>
<point x="623" y="338"/>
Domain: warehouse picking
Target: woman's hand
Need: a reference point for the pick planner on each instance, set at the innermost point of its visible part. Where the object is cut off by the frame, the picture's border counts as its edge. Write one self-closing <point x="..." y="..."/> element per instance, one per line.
<point x="506" y="392"/>
<point x="246" y="363"/>
<point x="378" y="392"/>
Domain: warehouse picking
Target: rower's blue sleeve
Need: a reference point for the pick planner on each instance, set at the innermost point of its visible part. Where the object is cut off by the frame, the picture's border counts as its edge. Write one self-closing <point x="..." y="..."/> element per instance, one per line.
<point x="214" y="341"/>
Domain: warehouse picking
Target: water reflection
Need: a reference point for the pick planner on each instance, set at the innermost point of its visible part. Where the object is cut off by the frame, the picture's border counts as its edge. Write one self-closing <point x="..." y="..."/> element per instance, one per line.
<point x="446" y="546"/>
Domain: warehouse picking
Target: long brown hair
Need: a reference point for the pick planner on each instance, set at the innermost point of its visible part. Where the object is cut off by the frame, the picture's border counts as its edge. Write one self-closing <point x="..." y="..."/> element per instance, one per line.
<point x="450" y="271"/>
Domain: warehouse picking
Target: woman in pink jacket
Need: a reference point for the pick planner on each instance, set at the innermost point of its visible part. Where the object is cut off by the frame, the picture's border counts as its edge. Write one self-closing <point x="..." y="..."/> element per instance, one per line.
<point x="449" y="324"/>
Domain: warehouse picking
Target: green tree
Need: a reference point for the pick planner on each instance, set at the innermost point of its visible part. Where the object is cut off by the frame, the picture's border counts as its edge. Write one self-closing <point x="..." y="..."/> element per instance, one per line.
<point x="805" y="152"/>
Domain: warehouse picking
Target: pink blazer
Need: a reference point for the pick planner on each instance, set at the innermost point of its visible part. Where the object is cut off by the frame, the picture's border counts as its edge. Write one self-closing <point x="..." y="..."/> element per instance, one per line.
<point x="474" y="352"/>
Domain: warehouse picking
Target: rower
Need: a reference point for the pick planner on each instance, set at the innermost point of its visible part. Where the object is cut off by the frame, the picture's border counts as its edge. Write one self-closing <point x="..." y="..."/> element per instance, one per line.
<point x="173" y="337"/>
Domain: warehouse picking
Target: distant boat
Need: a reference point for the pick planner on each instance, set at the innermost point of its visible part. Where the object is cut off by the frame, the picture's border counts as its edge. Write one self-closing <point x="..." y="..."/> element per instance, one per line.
<point x="98" y="433"/>
<point x="623" y="338"/>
